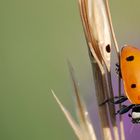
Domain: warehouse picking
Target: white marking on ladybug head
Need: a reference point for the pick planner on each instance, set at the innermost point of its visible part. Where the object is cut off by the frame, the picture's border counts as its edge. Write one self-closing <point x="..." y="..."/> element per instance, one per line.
<point x="136" y="115"/>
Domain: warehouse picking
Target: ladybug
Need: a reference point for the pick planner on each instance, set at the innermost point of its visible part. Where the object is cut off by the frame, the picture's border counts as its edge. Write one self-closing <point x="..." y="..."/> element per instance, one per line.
<point x="129" y="71"/>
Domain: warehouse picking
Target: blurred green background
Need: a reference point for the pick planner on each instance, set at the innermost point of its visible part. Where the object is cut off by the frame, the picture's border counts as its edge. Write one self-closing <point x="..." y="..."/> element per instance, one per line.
<point x="36" y="39"/>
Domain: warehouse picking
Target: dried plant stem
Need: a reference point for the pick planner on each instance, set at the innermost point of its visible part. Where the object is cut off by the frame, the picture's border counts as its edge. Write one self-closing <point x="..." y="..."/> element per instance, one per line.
<point x="108" y="93"/>
<point x="102" y="91"/>
<point x="100" y="94"/>
<point x="118" y="55"/>
<point x="68" y="116"/>
<point x="92" y="18"/>
<point x="76" y="91"/>
<point x="112" y="112"/>
<point x="84" y="120"/>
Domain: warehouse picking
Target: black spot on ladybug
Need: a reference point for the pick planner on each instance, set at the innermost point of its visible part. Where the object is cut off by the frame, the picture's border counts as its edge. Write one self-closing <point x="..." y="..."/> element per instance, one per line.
<point x="130" y="58"/>
<point x="133" y="85"/>
<point x="108" y="49"/>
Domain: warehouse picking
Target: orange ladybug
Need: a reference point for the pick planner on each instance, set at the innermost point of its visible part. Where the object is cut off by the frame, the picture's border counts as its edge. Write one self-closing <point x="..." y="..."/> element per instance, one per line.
<point x="130" y="71"/>
<point x="130" y="74"/>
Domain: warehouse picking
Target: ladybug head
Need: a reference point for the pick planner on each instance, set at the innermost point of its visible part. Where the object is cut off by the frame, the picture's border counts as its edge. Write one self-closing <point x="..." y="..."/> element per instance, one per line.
<point x="135" y="115"/>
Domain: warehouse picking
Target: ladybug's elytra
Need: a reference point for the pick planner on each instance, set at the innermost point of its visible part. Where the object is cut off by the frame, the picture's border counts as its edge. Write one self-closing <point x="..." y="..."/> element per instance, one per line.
<point x="130" y="71"/>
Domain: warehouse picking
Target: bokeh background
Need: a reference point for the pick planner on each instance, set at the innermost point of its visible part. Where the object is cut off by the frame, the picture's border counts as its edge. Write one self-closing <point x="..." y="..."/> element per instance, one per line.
<point x="36" y="39"/>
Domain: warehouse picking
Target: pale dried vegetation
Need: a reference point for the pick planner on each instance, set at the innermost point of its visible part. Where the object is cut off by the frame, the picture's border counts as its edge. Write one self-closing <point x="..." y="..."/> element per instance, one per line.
<point x="99" y="34"/>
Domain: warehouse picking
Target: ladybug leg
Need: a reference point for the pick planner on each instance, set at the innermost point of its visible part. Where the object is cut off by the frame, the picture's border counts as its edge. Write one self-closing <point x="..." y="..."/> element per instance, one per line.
<point x="119" y="100"/>
<point x="118" y="70"/>
<point x="124" y="109"/>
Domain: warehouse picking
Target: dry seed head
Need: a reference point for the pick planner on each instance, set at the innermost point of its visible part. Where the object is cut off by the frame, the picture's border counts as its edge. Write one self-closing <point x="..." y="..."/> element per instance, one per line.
<point x="97" y="30"/>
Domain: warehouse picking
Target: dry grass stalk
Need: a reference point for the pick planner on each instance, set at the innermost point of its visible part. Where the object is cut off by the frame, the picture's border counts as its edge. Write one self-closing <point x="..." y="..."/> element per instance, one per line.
<point x="83" y="130"/>
<point x="84" y="119"/>
<point x="118" y="55"/>
<point x="70" y="119"/>
<point x="97" y="32"/>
